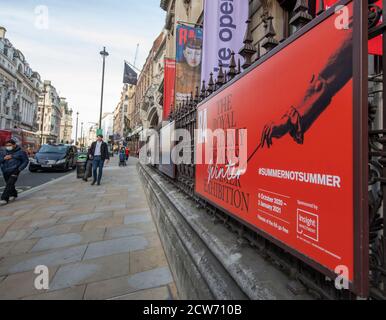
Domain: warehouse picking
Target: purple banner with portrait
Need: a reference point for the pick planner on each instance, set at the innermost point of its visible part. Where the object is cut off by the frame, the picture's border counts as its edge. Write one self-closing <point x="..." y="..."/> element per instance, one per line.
<point x="224" y="31"/>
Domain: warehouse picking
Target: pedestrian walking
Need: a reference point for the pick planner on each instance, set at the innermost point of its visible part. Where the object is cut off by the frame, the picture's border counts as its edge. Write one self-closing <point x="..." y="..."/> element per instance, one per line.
<point x="99" y="154"/>
<point x="12" y="161"/>
<point x="122" y="157"/>
<point x="127" y="153"/>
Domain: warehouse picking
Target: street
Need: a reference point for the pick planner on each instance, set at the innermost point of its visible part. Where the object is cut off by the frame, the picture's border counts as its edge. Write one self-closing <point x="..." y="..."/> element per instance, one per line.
<point x="28" y="180"/>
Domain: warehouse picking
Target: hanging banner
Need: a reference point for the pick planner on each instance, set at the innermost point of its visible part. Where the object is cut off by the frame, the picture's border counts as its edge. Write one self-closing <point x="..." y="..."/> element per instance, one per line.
<point x="375" y="44"/>
<point x="188" y="61"/>
<point x="169" y="85"/>
<point x="224" y="31"/>
<point x="270" y="151"/>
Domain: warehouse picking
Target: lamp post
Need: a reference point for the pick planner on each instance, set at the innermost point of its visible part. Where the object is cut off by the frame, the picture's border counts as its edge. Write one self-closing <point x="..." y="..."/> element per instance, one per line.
<point x="76" y="130"/>
<point x="81" y="135"/>
<point x="42" y="117"/>
<point x="104" y="54"/>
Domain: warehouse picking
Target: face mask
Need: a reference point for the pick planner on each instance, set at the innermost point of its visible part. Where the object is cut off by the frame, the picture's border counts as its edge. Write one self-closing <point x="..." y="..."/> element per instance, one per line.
<point x="9" y="148"/>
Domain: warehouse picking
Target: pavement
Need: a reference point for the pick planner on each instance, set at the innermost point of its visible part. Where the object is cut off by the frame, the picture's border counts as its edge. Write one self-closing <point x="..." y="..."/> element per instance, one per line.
<point x="28" y="180"/>
<point x="97" y="242"/>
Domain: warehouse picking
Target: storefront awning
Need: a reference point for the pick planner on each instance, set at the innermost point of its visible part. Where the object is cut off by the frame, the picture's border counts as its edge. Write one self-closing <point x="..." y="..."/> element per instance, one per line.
<point x="135" y="131"/>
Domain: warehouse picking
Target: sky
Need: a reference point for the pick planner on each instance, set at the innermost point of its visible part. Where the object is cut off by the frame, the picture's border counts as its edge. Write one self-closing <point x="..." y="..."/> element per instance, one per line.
<point x="61" y="39"/>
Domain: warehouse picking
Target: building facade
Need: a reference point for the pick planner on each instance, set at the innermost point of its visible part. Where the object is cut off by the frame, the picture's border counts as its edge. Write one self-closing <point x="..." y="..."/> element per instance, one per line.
<point x="20" y="88"/>
<point x="121" y="112"/>
<point x="179" y="11"/>
<point x="150" y="79"/>
<point x="66" y="122"/>
<point x="108" y="124"/>
<point x="90" y="135"/>
<point x="49" y="114"/>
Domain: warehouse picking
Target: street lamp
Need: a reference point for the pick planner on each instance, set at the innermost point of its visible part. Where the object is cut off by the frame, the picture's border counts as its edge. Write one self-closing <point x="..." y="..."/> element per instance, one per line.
<point x="81" y="136"/>
<point x="104" y="54"/>
<point x="76" y="131"/>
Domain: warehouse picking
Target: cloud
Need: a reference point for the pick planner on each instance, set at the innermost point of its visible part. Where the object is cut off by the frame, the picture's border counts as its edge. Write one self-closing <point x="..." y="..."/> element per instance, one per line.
<point x="112" y="38"/>
<point x="68" y="52"/>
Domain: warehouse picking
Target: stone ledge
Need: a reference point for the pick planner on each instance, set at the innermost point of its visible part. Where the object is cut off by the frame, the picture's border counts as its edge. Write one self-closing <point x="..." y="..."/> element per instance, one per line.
<point x="205" y="258"/>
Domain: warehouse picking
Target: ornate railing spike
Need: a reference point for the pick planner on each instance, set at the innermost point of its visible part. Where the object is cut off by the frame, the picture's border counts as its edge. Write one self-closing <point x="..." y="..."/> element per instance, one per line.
<point x="301" y="17"/>
<point x="269" y="41"/>
<point x="248" y="50"/>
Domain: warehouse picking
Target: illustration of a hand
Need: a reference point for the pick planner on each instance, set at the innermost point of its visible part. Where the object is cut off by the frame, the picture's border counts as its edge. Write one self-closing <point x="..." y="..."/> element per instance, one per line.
<point x="267" y="134"/>
<point x="290" y="123"/>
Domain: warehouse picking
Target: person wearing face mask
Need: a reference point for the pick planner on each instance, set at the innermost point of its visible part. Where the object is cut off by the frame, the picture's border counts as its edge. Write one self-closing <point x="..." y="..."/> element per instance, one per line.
<point x="12" y="162"/>
<point x="99" y="154"/>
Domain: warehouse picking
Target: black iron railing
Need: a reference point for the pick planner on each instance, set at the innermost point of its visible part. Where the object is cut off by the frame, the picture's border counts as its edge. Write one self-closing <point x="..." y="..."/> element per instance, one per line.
<point x="377" y="157"/>
<point x="185" y="115"/>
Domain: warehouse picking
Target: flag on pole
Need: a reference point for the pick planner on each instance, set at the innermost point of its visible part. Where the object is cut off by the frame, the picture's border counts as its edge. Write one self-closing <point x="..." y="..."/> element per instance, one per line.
<point x="129" y="75"/>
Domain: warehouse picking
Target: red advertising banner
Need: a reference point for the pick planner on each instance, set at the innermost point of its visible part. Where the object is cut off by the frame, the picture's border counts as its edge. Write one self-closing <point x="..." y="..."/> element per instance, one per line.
<point x="169" y="85"/>
<point x="375" y="45"/>
<point x="297" y="108"/>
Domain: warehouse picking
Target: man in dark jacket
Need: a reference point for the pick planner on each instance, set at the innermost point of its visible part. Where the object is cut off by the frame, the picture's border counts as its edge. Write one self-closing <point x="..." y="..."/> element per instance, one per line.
<point x="98" y="153"/>
<point x="12" y="162"/>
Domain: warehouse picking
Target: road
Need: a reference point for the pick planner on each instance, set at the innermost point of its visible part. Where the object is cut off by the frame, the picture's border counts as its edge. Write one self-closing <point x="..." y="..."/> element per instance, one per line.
<point x="28" y="180"/>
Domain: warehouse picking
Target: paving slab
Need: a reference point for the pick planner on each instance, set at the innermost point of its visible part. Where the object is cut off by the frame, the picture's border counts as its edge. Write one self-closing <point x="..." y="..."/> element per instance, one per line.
<point x="91" y="271"/>
<point x="16" y="247"/>
<point x="98" y="242"/>
<point x="74" y="293"/>
<point x="110" y="247"/>
<point x="4" y="228"/>
<point x="151" y="278"/>
<point x="145" y="260"/>
<point x="21" y="285"/>
<point x="129" y="211"/>
<point x="103" y="223"/>
<point x="56" y="230"/>
<point x="68" y="239"/>
<point x="35" y="215"/>
<point x="158" y="294"/>
<point x="25" y="224"/>
<point x="28" y="262"/>
<point x="75" y="210"/>
<point x="122" y="232"/>
<point x="153" y="239"/>
<point x="7" y="219"/>
<point x="111" y="207"/>
<point x="86" y="217"/>
<point x="125" y="285"/>
<point x="138" y="218"/>
<point x="16" y="235"/>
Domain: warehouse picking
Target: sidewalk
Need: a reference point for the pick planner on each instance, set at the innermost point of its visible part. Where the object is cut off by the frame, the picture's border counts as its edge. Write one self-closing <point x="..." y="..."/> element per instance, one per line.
<point x="98" y="242"/>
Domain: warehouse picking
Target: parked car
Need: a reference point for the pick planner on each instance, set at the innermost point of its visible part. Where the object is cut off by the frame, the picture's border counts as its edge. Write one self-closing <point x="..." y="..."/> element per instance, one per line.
<point x="52" y="157"/>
